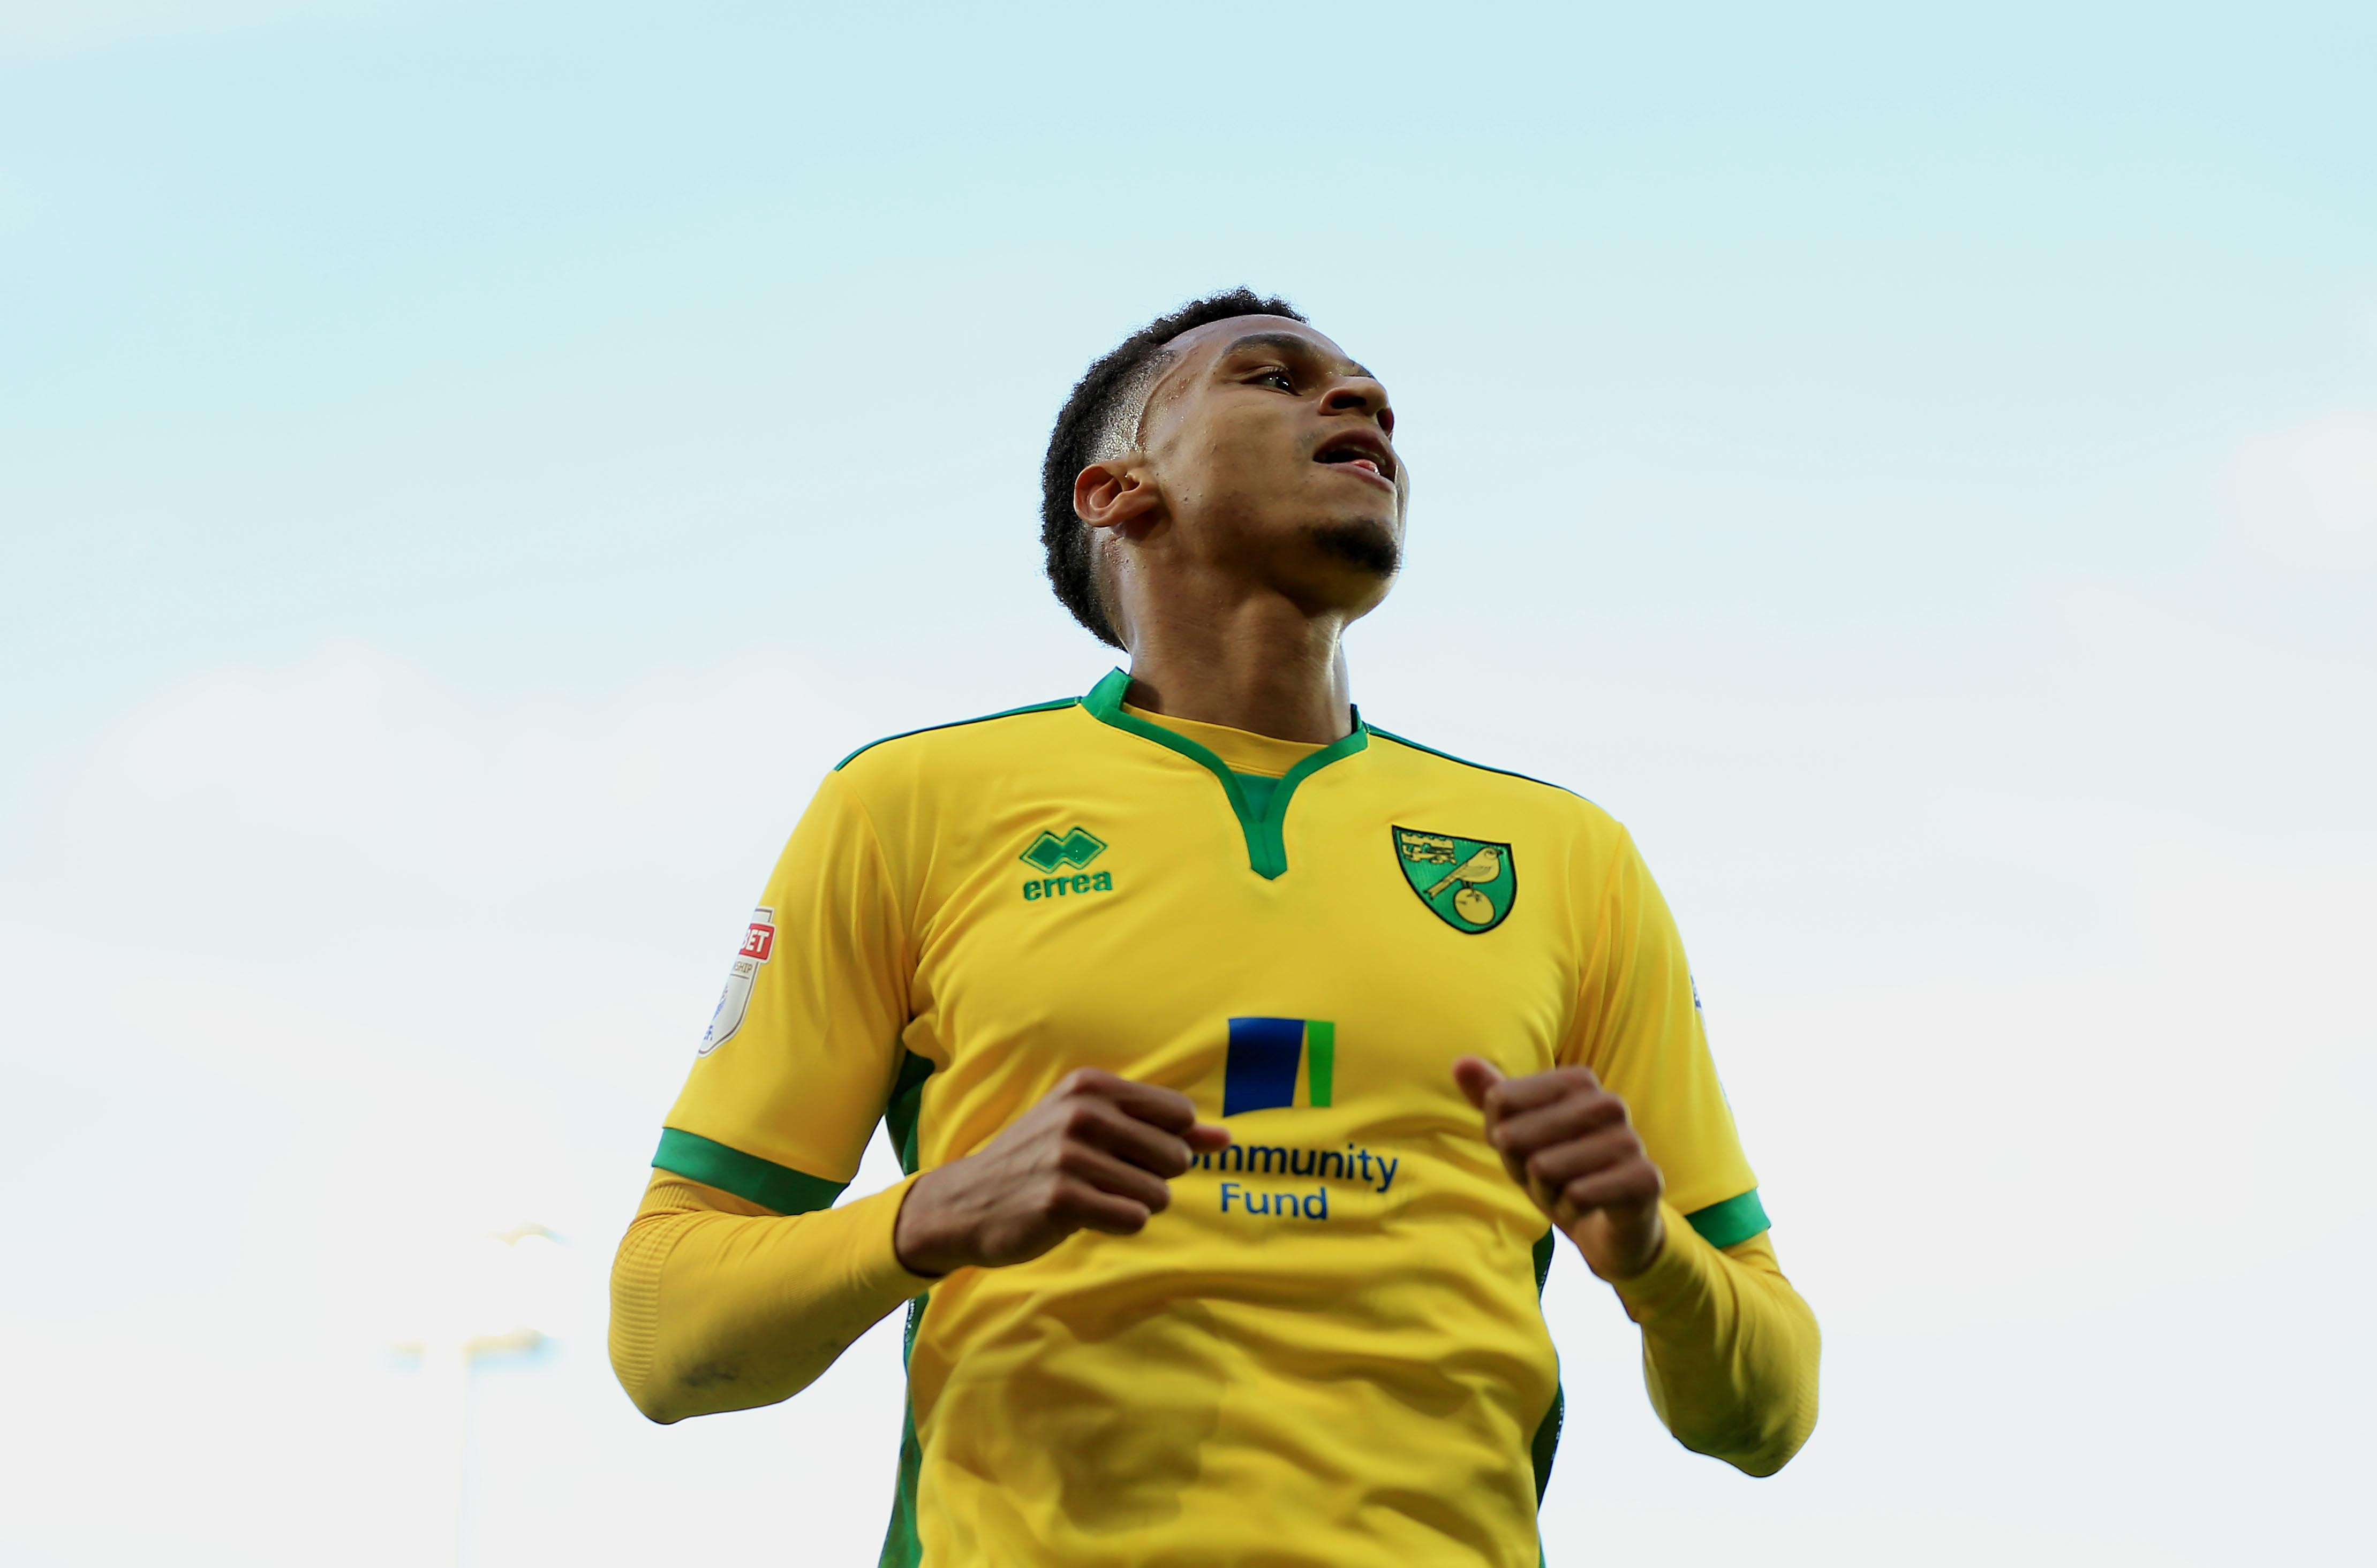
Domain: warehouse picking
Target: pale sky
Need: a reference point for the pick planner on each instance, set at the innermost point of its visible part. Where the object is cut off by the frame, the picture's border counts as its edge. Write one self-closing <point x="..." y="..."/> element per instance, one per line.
<point x="467" y="469"/>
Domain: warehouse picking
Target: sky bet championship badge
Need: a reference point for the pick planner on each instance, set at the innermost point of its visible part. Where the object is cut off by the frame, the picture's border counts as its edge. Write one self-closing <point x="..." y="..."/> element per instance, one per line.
<point x="758" y="941"/>
<point x="1469" y="882"/>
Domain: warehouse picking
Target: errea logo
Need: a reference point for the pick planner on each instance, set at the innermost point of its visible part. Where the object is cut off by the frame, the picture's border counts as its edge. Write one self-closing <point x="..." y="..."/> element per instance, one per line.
<point x="1077" y="848"/>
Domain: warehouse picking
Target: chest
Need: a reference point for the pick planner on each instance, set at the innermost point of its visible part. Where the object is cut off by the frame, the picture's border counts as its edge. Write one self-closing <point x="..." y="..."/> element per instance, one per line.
<point x="1127" y="931"/>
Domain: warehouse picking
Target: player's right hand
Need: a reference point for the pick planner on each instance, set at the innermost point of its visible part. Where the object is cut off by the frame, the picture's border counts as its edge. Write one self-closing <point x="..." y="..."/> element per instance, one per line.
<point x="1095" y="1155"/>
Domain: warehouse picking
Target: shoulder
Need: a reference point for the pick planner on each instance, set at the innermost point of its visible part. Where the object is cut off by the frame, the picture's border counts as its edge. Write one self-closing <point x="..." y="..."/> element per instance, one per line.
<point x="1461" y="773"/>
<point x="960" y="745"/>
<point x="1500" y="803"/>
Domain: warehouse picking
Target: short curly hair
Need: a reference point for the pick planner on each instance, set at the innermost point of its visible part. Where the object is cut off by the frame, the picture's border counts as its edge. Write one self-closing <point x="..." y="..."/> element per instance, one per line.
<point x="1099" y="421"/>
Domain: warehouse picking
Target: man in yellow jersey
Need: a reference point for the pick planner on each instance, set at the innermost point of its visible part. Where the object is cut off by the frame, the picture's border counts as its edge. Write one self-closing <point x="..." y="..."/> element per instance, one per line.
<point x="1245" y="1059"/>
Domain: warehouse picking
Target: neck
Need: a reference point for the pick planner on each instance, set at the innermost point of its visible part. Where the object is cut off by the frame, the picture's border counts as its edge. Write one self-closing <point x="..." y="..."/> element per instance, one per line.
<point x="1254" y="662"/>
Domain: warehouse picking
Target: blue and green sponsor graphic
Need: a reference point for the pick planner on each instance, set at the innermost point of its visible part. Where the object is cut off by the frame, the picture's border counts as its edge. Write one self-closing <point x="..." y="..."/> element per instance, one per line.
<point x="1469" y="884"/>
<point x="1269" y="1055"/>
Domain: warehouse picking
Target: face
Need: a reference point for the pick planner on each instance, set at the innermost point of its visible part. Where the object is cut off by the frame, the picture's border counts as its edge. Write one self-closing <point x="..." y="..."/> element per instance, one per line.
<point x="1268" y="451"/>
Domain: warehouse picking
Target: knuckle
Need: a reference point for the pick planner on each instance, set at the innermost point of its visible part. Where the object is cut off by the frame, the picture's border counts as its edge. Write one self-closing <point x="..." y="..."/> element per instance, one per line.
<point x="1636" y="1180"/>
<point x="1083" y="1081"/>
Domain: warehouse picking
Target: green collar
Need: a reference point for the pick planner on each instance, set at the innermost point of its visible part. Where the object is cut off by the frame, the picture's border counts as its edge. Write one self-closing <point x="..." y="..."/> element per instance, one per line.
<point x="1265" y="851"/>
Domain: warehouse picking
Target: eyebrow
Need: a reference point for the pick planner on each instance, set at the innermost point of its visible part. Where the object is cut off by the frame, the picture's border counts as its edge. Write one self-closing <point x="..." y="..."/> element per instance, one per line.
<point x="1290" y="342"/>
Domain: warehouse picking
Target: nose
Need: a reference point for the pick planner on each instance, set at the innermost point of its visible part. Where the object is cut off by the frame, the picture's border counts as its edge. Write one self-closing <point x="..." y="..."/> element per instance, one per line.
<point x="1361" y="394"/>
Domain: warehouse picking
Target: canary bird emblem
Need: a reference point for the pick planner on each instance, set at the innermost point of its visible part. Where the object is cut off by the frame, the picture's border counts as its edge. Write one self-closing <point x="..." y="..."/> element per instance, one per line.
<point x="1469" y="884"/>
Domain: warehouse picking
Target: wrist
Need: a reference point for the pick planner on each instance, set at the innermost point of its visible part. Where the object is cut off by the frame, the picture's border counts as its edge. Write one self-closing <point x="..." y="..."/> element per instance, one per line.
<point x="1677" y="1275"/>
<point x="1650" y="1246"/>
<point x="1618" y="1249"/>
<point x="920" y="1242"/>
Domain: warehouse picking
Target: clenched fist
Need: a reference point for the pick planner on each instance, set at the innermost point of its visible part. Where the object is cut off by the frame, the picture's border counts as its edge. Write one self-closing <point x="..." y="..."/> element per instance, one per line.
<point x="1566" y="1140"/>
<point x="1095" y="1155"/>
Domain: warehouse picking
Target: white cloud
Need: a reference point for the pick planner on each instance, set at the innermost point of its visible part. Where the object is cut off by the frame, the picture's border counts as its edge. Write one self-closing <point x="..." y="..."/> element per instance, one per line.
<point x="2317" y="478"/>
<point x="2100" y="1121"/>
<point x="353" y="746"/>
<point x="534" y="874"/>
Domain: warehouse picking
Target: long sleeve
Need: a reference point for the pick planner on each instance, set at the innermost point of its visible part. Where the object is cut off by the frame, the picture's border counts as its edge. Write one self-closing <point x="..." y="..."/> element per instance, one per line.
<point x="1729" y="1349"/>
<point x="740" y="1280"/>
<point x="719" y="1304"/>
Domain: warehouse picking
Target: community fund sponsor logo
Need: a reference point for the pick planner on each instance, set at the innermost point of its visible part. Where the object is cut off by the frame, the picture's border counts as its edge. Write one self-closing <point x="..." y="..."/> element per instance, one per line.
<point x="1278" y="1064"/>
<point x="1350" y="1172"/>
<point x="1076" y="847"/>
<point x="1469" y="884"/>
<point x="758" y="942"/>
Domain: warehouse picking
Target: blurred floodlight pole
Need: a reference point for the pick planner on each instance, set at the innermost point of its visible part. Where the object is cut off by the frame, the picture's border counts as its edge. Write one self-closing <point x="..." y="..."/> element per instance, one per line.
<point x="478" y="1308"/>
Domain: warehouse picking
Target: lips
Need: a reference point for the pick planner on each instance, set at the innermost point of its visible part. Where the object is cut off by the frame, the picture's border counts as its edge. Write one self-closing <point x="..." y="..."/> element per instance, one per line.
<point x="1365" y="452"/>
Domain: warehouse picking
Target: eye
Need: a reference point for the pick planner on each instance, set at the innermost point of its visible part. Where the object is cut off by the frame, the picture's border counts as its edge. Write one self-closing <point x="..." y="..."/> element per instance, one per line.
<point x="1275" y="376"/>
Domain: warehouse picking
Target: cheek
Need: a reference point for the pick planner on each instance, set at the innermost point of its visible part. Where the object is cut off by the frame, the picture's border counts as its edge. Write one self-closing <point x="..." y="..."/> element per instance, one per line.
<point x="1250" y="456"/>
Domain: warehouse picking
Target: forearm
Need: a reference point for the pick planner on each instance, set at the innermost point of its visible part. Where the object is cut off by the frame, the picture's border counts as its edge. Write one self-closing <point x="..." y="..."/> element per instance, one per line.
<point x="718" y="1304"/>
<point x="1729" y="1349"/>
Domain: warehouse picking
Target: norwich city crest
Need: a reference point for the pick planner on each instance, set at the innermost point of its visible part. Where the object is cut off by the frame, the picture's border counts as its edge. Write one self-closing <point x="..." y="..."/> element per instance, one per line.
<point x="1469" y="882"/>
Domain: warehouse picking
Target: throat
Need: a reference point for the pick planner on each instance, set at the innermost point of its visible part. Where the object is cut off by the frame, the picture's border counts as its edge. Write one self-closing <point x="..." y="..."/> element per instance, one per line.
<point x="1262" y="666"/>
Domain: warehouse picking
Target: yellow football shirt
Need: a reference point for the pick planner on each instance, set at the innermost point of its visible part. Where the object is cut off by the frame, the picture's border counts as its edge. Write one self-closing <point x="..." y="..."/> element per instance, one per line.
<point x="1330" y="1349"/>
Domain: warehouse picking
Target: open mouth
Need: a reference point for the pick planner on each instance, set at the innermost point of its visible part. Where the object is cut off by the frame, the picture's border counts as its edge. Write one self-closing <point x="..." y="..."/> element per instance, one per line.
<point x="1363" y="453"/>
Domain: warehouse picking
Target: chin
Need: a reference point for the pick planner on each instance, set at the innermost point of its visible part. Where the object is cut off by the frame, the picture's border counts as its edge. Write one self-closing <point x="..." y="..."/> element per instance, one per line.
<point x="1367" y="544"/>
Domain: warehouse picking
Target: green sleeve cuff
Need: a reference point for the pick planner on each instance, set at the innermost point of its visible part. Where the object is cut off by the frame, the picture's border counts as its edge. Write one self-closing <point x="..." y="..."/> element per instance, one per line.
<point x="1727" y="1223"/>
<point x="746" y="1176"/>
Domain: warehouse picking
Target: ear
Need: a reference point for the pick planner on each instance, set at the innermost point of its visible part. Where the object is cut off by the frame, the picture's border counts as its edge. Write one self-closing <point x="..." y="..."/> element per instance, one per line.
<point x="1112" y="495"/>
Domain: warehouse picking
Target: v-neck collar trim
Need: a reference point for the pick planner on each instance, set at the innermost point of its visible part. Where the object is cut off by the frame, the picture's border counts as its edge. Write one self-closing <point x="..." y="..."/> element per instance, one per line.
<point x="1241" y="751"/>
<point x="1266" y="851"/>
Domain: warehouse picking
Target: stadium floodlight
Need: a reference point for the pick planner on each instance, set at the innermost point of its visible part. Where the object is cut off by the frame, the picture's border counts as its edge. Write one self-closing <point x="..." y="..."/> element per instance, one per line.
<point x="478" y="1305"/>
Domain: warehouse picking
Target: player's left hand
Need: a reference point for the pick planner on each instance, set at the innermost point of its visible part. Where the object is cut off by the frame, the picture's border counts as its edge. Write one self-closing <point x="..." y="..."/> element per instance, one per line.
<point x="1566" y="1140"/>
